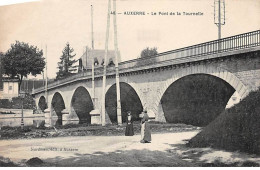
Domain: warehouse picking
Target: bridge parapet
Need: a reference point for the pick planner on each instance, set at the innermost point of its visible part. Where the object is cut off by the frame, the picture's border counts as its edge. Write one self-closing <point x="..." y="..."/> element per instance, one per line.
<point x="207" y="50"/>
<point x="237" y="42"/>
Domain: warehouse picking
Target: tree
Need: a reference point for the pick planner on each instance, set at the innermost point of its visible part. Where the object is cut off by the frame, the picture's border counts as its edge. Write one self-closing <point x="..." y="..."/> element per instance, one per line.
<point x="148" y="52"/>
<point x="66" y="65"/>
<point x="23" y="59"/>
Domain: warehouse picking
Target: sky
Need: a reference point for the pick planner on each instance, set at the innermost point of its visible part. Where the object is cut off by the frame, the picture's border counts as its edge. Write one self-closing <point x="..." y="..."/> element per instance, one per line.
<point x="53" y="23"/>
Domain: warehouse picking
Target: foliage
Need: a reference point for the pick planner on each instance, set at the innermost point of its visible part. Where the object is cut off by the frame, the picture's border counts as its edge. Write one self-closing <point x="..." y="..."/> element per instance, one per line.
<point x="236" y="128"/>
<point x="42" y="104"/>
<point x="1" y="57"/>
<point x="1" y="70"/>
<point x="147" y="55"/>
<point x="22" y="59"/>
<point x="66" y="65"/>
<point x="5" y="103"/>
<point x="148" y="52"/>
<point x="16" y="103"/>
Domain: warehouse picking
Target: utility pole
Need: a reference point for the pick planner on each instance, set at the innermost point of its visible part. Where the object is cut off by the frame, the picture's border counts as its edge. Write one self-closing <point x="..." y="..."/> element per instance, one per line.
<point x="92" y="32"/>
<point x="219" y="20"/>
<point x="46" y="84"/>
<point x="219" y="7"/>
<point x="43" y="78"/>
<point x="42" y="72"/>
<point x="119" y="116"/>
<point x="28" y="85"/>
<point x="103" y="105"/>
<point x="33" y="87"/>
<point x="92" y="64"/>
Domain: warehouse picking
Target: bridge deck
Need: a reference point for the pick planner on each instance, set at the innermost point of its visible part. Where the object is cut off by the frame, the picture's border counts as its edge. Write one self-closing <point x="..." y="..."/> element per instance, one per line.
<point x="242" y="43"/>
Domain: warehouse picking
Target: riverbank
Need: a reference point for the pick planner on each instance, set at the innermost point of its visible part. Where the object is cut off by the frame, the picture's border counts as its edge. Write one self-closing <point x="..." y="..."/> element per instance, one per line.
<point x="87" y="130"/>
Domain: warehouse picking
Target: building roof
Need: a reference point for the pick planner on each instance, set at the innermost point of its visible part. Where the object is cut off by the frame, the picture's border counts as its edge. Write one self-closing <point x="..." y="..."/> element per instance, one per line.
<point x="98" y="57"/>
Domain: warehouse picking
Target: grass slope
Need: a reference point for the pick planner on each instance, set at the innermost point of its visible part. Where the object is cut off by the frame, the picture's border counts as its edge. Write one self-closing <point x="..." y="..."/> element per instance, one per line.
<point x="236" y="129"/>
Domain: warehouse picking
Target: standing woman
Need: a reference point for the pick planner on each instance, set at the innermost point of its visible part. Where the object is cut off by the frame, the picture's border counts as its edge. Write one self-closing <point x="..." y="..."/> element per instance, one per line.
<point x="129" y="125"/>
<point x="145" y="129"/>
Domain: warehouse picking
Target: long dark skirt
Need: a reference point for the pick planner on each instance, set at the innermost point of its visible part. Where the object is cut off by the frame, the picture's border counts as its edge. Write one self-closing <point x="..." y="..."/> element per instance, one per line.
<point x="145" y="132"/>
<point x="129" y="129"/>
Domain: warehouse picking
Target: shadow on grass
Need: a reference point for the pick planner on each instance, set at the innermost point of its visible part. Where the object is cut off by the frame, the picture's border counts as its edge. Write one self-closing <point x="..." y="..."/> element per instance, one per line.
<point x="178" y="156"/>
<point x="6" y="162"/>
<point x="209" y="157"/>
<point x="119" y="158"/>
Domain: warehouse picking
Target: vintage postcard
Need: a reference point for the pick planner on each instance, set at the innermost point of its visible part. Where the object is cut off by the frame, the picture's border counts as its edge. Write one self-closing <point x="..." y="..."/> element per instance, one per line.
<point x="130" y="83"/>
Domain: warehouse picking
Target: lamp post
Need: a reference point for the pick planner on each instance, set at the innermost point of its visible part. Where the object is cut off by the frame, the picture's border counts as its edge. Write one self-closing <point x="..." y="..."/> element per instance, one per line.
<point x="22" y="95"/>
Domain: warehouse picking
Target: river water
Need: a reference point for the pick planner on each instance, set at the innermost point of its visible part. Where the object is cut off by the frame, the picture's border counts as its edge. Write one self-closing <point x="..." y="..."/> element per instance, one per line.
<point x="28" y="121"/>
<point x="36" y="121"/>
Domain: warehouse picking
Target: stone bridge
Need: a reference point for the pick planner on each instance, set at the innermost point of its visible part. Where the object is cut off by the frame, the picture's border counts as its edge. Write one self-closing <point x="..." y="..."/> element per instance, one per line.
<point x="188" y="85"/>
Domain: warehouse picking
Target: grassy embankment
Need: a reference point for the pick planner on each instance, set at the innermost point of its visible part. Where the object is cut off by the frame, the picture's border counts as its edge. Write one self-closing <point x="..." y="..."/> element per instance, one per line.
<point x="236" y="129"/>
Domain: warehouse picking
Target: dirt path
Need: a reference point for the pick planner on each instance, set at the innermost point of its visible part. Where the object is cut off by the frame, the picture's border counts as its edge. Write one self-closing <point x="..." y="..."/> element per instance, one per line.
<point x="98" y="150"/>
<point x="166" y="149"/>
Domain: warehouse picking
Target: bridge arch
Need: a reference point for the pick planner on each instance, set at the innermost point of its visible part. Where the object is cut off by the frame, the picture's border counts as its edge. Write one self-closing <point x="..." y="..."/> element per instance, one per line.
<point x="220" y="73"/>
<point x="57" y="106"/>
<point x="89" y="89"/>
<point x="134" y="85"/>
<point x="42" y="105"/>
<point x="81" y="104"/>
<point x="130" y="101"/>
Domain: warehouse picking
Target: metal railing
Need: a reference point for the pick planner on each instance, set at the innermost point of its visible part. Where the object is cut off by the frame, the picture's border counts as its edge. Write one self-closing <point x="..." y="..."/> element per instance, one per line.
<point x="237" y="42"/>
<point x="241" y="41"/>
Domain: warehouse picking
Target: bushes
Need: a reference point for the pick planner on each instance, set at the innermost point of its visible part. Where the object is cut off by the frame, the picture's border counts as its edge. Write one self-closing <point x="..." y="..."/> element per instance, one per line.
<point x="5" y="103"/>
<point x="237" y="128"/>
<point x="16" y="103"/>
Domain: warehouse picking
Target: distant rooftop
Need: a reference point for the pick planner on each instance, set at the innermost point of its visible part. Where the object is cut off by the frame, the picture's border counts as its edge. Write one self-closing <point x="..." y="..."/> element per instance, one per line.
<point x="98" y="56"/>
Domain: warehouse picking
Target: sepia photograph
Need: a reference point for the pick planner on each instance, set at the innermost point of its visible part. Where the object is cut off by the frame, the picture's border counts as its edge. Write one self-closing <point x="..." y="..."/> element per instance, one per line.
<point x="129" y="83"/>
